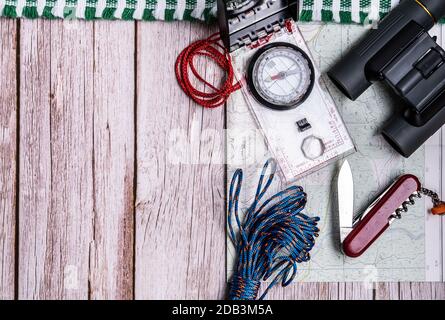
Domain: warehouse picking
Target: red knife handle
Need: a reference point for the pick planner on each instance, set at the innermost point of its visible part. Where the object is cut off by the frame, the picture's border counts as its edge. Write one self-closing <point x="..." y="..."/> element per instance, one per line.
<point x="377" y="220"/>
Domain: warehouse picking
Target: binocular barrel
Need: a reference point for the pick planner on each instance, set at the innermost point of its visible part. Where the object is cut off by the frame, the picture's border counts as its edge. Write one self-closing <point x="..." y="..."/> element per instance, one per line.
<point x="406" y="138"/>
<point x="435" y="7"/>
<point x="350" y="75"/>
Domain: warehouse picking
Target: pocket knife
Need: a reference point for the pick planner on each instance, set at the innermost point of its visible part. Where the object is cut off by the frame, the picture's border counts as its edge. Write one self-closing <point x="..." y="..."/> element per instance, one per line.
<point x="358" y="234"/>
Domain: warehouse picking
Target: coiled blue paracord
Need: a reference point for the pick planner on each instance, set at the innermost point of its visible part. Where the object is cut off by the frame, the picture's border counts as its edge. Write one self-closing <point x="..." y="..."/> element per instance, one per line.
<point x="272" y="238"/>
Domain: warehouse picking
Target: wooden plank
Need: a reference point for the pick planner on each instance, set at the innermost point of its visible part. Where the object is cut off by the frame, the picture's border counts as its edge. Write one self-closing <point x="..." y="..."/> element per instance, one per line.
<point x="111" y="255"/>
<point x="356" y="291"/>
<point x="76" y="160"/>
<point x="438" y="291"/>
<point x="180" y="224"/>
<point x="56" y="159"/>
<point x="328" y="291"/>
<point x="8" y="155"/>
<point x="303" y="291"/>
<point x="422" y="291"/>
<point x="416" y="291"/>
<point x="387" y="291"/>
<point x="359" y="291"/>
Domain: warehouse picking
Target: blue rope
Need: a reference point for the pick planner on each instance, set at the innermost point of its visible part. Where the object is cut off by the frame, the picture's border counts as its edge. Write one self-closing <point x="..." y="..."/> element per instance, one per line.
<point x="272" y="237"/>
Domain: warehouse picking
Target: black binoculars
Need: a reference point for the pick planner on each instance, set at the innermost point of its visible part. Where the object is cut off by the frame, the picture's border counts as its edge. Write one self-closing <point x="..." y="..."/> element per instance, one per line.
<point x="401" y="53"/>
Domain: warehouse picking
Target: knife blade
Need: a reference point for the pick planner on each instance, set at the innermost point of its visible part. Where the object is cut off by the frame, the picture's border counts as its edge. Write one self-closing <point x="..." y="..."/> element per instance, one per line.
<point x="345" y="200"/>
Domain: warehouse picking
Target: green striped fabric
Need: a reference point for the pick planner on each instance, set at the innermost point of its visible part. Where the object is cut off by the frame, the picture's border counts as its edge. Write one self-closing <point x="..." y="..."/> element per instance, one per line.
<point x="147" y="10"/>
<point x="345" y="11"/>
<point x="340" y="11"/>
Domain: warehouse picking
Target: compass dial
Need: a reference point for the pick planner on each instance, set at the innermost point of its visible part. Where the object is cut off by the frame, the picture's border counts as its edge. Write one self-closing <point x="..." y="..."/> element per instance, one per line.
<point x="281" y="76"/>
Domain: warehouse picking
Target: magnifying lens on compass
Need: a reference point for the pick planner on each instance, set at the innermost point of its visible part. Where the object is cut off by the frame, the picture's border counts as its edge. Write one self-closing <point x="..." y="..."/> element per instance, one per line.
<point x="281" y="76"/>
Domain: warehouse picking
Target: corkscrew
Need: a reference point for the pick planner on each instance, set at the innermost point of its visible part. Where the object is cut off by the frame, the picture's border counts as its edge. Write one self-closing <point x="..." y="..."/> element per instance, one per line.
<point x="404" y="207"/>
<point x="438" y="205"/>
<point x="359" y="234"/>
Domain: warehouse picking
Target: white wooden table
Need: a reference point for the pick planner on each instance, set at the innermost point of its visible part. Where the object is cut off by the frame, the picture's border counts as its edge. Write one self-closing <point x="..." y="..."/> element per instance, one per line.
<point x="91" y="207"/>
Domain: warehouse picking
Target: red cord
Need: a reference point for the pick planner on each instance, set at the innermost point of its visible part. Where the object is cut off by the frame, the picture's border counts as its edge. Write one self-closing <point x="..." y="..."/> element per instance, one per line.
<point x="213" y="49"/>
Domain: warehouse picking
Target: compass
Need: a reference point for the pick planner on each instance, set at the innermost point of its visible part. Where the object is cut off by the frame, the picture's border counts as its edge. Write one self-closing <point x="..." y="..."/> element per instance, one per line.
<point x="281" y="76"/>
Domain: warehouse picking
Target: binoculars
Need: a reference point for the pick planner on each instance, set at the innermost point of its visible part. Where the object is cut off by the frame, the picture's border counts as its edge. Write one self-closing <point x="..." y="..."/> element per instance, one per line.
<point x="402" y="54"/>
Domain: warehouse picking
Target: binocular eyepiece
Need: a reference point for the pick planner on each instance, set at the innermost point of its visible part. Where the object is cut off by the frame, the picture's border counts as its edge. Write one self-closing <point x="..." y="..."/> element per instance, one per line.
<point x="401" y="53"/>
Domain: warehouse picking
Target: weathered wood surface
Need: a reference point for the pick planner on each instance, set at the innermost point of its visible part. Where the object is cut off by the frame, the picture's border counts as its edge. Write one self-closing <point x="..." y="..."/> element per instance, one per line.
<point x="55" y="196"/>
<point x="180" y="235"/>
<point x="76" y="160"/>
<point x="111" y="246"/>
<point x="8" y="155"/>
<point x="109" y="204"/>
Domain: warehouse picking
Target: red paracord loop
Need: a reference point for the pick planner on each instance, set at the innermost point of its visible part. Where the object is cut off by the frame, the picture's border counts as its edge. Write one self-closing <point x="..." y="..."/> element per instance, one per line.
<point x="213" y="49"/>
